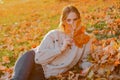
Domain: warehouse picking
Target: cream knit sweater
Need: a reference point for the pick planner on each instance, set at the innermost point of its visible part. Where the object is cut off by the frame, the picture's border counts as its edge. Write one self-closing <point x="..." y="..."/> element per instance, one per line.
<point x="52" y="59"/>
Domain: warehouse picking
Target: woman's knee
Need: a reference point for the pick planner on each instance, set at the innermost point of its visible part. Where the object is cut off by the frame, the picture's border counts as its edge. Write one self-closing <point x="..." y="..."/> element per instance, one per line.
<point x="30" y="53"/>
<point x="27" y="57"/>
<point x="24" y="65"/>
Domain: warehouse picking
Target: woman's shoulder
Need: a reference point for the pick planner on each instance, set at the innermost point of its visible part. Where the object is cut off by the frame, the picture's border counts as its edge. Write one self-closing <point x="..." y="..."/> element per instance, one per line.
<point x="55" y="31"/>
<point x="91" y="35"/>
<point x="86" y="33"/>
<point x="51" y="32"/>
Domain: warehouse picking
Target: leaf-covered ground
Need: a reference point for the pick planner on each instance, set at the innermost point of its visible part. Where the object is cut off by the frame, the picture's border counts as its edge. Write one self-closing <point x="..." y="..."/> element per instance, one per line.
<point x="23" y="23"/>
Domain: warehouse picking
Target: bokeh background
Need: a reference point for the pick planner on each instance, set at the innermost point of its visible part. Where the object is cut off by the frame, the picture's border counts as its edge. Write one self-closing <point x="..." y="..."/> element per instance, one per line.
<point x="23" y="24"/>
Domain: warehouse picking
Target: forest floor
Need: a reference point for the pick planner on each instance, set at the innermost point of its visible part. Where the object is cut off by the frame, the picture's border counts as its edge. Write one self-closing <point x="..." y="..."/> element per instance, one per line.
<point x="23" y="24"/>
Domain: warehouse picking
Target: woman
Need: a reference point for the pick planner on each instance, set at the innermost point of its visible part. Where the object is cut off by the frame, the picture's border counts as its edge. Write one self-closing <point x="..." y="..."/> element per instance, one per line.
<point x="59" y="51"/>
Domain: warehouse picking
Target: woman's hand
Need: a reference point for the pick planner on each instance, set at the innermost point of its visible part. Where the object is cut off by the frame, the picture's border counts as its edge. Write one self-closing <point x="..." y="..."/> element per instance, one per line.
<point x="66" y="43"/>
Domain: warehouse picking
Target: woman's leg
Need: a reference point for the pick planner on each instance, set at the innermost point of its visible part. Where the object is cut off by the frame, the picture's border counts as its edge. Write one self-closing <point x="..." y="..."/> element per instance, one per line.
<point x="24" y="66"/>
<point x="26" y="69"/>
<point x="37" y="73"/>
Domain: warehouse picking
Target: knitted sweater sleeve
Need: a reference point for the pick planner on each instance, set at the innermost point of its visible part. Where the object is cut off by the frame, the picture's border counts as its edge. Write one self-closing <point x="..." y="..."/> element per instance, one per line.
<point x="87" y="50"/>
<point x="47" y="50"/>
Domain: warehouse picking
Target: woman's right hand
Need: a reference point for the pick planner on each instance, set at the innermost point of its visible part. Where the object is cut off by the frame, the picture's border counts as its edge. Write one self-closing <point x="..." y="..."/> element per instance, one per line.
<point x="66" y="43"/>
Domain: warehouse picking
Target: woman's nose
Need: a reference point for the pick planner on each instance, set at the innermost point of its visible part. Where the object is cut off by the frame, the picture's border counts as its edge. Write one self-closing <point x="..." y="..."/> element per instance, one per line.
<point x="72" y="22"/>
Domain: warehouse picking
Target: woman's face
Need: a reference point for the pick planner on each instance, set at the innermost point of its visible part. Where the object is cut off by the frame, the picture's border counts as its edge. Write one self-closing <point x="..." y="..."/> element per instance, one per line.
<point x="71" y="18"/>
<point x="71" y="21"/>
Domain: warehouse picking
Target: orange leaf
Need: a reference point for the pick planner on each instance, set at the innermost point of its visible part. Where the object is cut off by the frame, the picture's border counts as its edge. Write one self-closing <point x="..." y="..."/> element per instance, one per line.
<point x="5" y="59"/>
<point x="34" y="45"/>
<point x="117" y="62"/>
<point x="80" y="37"/>
<point x="66" y="27"/>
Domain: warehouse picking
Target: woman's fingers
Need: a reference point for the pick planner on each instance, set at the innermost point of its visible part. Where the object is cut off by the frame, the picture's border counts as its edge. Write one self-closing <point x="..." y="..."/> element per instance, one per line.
<point x="66" y="43"/>
<point x="69" y="42"/>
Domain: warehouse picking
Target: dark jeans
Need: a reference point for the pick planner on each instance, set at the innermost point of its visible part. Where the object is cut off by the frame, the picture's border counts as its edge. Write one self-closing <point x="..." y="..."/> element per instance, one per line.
<point x="26" y="69"/>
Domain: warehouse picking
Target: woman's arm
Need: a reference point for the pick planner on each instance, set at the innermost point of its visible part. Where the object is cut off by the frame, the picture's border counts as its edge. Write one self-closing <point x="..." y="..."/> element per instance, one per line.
<point x="47" y="50"/>
<point x="87" y="50"/>
<point x="84" y="63"/>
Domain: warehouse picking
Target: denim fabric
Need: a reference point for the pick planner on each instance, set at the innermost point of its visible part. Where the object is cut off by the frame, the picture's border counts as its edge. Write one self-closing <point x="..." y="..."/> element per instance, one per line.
<point x="26" y="69"/>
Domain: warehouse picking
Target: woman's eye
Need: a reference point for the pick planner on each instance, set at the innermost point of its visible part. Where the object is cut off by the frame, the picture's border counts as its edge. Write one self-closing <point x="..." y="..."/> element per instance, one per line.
<point x="68" y="20"/>
<point x="75" y="19"/>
